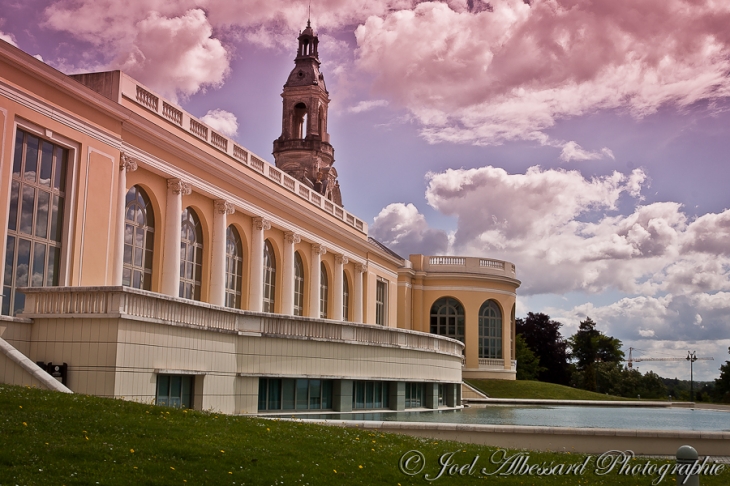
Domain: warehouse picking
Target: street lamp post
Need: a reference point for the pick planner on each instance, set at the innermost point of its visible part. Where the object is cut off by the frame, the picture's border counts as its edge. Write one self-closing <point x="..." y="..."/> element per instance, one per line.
<point x="691" y="357"/>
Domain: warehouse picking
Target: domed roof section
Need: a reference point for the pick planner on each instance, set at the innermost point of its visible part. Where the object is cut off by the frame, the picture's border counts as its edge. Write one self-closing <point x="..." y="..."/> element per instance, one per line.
<point x="306" y="70"/>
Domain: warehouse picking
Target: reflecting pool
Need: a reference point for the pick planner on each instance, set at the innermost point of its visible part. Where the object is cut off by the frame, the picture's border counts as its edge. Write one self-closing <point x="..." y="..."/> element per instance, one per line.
<point x="559" y="416"/>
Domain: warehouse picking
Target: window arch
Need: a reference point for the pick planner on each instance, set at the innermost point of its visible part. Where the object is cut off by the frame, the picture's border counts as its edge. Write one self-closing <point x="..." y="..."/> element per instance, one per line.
<point x="269" y="277"/>
<point x="298" y="285"/>
<point x="191" y="255"/>
<point x="234" y="267"/>
<point x="345" y="297"/>
<point x="139" y="240"/>
<point x="447" y="318"/>
<point x="323" y="290"/>
<point x="490" y="330"/>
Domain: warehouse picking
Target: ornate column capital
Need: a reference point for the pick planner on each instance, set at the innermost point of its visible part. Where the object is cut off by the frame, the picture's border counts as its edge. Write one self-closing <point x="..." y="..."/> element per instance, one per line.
<point x="261" y="224"/>
<point x="127" y="163"/>
<point x="223" y="207"/>
<point x="179" y="187"/>
<point x="361" y="268"/>
<point x="318" y="249"/>
<point x="291" y="237"/>
<point x="341" y="259"/>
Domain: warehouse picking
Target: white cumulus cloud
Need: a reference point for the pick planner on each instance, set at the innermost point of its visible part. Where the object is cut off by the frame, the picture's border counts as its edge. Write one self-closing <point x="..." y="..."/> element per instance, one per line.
<point x="221" y="121"/>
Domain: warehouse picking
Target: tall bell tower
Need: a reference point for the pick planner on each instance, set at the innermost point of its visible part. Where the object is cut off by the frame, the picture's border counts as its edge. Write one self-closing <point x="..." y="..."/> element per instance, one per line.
<point x="303" y="150"/>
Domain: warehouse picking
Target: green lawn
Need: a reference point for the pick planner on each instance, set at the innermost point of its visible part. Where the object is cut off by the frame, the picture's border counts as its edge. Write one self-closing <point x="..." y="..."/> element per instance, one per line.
<point x="49" y="438"/>
<point x="535" y="389"/>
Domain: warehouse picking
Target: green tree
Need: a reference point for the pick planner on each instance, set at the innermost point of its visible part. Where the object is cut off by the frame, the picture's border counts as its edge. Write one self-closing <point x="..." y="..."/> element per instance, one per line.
<point x="528" y="365"/>
<point x="543" y="337"/>
<point x="722" y="384"/>
<point x="590" y="346"/>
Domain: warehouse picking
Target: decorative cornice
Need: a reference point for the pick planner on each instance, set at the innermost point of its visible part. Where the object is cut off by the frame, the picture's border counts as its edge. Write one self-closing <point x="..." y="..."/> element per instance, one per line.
<point x="223" y="207"/>
<point x="318" y="249"/>
<point x="291" y="237"/>
<point x="127" y="163"/>
<point x="179" y="187"/>
<point x="341" y="259"/>
<point x="261" y="224"/>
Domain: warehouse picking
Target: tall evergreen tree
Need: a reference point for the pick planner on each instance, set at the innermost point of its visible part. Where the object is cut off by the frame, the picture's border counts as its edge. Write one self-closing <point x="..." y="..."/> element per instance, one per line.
<point x="543" y="337"/>
<point x="590" y="346"/>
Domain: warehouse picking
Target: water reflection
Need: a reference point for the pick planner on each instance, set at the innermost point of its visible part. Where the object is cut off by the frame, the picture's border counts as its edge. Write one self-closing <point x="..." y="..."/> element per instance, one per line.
<point x="634" y="418"/>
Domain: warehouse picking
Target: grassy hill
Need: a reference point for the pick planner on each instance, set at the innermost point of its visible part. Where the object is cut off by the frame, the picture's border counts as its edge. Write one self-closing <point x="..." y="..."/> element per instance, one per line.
<point x="535" y="390"/>
<point x="49" y="438"/>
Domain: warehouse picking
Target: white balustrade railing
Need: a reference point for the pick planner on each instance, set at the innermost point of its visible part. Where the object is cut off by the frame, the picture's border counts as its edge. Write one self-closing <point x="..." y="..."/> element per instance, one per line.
<point x="152" y="102"/>
<point x="125" y="302"/>
<point x="446" y="260"/>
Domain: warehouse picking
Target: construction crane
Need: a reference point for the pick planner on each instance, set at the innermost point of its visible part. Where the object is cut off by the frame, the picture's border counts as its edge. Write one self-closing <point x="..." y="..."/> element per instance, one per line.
<point x="691" y="357"/>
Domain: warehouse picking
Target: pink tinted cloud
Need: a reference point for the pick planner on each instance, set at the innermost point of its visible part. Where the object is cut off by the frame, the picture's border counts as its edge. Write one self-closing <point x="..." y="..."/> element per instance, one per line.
<point x="163" y="44"/>
<point x="488" y="76"/>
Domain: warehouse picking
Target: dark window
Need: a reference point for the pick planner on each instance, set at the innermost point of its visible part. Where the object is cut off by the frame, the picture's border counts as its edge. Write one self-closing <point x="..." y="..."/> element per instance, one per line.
<point x="269" y="277"/>
<point x="191" y="255"/>
<point x="323" y="291"/>
<point x="35" y="218"/>
<point x="490" y="331"/>
<point x="139" y="240"/>
<point x="234" y="268"/>
<point x="381" y="301"/>
<point x="414" y="395"/>
<point x="370" y="395"/>
<point x="447" y="318"/>
<point x="345" y="298"/>
<point x="294" y="394"/>
<point x="175" y="391"/>
<point x="298" y="285"/>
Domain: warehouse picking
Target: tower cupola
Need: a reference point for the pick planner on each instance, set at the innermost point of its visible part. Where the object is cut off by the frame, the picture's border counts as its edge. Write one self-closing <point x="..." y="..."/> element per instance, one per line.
<point x="303" y="150"/>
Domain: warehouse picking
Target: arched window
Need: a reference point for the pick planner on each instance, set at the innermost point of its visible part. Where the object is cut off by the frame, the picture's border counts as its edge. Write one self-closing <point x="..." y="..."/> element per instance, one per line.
<point x="139" y="240"/>
<point x="345" y="298"/>
<point x="323" y="289"/>
<point x="447" y="318"/>
<point x="234" y="268"/>
<point x="269" y="277"/>
<point x="299" y="121"/>
<point x="490" y="330"/>
<point x="191" y="255"/>
<point x="298" y="285"/>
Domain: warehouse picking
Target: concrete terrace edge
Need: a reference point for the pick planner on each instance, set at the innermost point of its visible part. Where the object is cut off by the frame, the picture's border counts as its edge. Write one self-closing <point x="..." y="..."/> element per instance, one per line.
<point x="556" y="439"/>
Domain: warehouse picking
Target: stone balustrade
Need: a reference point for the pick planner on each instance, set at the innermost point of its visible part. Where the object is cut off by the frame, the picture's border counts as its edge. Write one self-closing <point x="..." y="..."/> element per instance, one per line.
<point x="125" y="302"/>
<point x="150" y="101"/>
<point x="448" y="264"/>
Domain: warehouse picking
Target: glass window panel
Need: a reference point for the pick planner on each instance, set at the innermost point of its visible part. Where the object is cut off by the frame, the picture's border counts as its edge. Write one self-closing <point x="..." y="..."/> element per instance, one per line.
<point x="39" y="264"/>
<point x="138" y="254"/>
<point x="18" y="159"/>
<point x="9" y="259"/>
<point x="302" y="398"/>
<point x="26" y="210"/>
<point x="163" y="389"/>
<point x="59" y="179"/>
<point x="378" y="399"/>
<point x="13" y="215"/>
<point x="137" y="279"/>
<point x="56" y="218"/>
<point x="263" y="386"/>
<point x="369" y="395"/>
<point x="327" y="394"/>
<point x="41" y="217"/>
<point x="315" y="391"/>
<point x="46" y="164"/>
<point x="274" y="395"/>
<point x="21" y="269"/>
<point x="186" y="397"/>
<point x="127" y="277"/>
<point x="31" y="159"/>
<point x="288" y="386"/>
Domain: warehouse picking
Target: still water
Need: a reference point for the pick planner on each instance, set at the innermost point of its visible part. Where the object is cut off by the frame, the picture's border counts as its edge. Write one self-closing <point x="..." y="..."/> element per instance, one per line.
<point x="560" y="416"/>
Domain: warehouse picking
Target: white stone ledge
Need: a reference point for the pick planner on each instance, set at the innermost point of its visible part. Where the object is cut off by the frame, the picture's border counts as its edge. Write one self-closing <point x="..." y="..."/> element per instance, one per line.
<point x="140" y="305"/>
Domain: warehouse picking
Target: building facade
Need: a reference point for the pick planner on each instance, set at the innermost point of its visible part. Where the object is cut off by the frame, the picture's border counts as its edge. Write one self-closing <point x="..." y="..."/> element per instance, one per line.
<point x="164" y="262"/>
